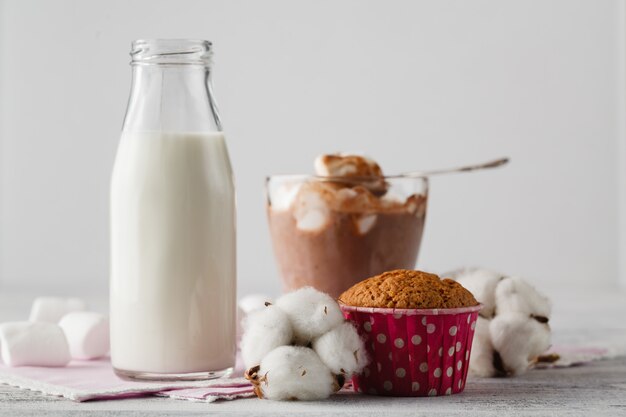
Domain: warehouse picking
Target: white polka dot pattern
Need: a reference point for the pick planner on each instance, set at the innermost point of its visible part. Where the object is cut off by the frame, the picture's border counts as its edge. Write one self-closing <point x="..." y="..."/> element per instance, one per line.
<point x="431" y="352"/>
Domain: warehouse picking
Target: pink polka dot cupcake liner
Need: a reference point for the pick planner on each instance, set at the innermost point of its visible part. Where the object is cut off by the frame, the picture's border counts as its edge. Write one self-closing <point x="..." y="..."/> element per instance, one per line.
<point x="414" y="352"/>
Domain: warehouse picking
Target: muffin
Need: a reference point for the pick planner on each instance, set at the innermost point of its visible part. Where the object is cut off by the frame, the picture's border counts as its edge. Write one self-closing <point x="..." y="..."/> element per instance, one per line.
<point x="418" y="331"/>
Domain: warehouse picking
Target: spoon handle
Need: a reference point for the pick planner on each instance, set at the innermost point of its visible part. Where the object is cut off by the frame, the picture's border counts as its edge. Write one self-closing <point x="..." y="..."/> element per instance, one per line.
<point x="467" y="168"/>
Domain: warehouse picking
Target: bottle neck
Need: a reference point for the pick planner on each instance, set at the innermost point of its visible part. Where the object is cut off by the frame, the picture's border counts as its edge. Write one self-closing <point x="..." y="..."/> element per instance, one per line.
<point x="171" y="88"/>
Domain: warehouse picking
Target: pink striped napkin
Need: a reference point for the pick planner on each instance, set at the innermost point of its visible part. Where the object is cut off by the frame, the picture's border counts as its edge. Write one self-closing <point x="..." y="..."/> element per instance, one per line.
<point x="95" y="380"/>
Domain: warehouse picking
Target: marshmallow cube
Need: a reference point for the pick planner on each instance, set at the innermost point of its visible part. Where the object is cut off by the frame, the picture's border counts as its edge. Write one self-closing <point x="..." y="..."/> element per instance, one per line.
<point x="311" y="313"/>
<point x="87" y="334"/>
<point x="52" y="309"/>
<point x="33" y="344"/>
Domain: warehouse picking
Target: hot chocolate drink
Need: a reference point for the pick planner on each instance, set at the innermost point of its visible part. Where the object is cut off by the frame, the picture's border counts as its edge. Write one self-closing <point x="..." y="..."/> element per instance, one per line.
<point x="344" y="225"/>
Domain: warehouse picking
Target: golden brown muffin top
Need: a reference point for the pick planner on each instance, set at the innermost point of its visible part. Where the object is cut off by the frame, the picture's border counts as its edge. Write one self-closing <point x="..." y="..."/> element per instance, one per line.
<point x="403" y="288"/>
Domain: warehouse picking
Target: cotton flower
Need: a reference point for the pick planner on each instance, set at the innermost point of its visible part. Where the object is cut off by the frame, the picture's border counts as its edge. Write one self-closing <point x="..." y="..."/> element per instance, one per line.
<point x="311" y="313"/>
<point x="247" y="305"/>
<point x="482" y="356"/>
<point x="512" y="330"/>
<point x="264" y="330"/>
<point x="482" y="284"/>
<point x="518" y="340"/>
<point x="252" y="302"/>
<point x="293" y="373"/>
<point x="342" y="350"/>
<point x="515" y="295"/>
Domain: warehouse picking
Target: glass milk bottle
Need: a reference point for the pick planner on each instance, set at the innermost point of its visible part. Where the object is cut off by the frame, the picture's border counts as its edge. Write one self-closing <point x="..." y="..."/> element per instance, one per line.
<point x="173" y="284"/>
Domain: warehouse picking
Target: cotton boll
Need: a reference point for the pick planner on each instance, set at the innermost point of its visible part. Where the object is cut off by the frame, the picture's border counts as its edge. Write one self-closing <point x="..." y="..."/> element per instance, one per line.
<point x="513" y="294"/>
<point x="518" y="339"/>
<point x="264" y="330"/>
<point x="481" y="359"/>
<point x="341" y="349"/>
<point x="293" y="373"/>
<point x="253" y="302"/>
<point x="311" y="313"/>
<point x="248" y="304"/>
<point x="482" y="284"/>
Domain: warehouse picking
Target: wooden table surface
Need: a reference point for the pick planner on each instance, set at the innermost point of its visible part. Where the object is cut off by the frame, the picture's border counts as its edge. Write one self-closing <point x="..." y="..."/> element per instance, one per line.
<point x="594" y="389"/>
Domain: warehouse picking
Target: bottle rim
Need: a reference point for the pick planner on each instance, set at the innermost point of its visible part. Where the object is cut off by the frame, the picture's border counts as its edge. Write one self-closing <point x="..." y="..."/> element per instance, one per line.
<point x="171" y="52"/>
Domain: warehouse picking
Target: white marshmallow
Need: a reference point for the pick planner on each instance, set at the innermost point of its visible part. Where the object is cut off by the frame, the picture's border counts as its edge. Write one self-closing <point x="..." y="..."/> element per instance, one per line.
<point x="87" y="334"/>
<point x="33" y="344"/>
<point x="295" y="372"/>
<point x="52" y="309"/>
<point x="311" y="313"/>
<point x="519" y="340"/>
<point x="310" y="210"/>
<point x="283" y="196"/>
<point x="365" y="223"/>
<point x="481" y="359"/>
<point x="482" y="284"/>
<point x="264" y="330"/>
<point x="515" y="295"/>
<point x="346" y="164"/>
<point x="342" y="350"/>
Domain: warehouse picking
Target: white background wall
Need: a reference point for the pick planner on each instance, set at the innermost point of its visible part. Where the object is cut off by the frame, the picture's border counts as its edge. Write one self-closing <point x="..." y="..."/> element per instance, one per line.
<point x="416" y="84"/>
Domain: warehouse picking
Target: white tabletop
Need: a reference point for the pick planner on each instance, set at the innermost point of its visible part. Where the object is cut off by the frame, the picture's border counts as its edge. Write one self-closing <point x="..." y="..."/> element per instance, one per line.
<point x="582" y="317"/>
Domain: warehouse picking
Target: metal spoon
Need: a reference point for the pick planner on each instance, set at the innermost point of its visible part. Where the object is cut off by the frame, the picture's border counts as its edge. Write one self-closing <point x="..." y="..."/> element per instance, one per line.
<point x="466" y="168"/>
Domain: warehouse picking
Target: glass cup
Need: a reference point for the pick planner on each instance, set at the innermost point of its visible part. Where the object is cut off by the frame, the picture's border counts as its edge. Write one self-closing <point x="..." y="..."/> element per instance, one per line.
<point x="332" y="232"/>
